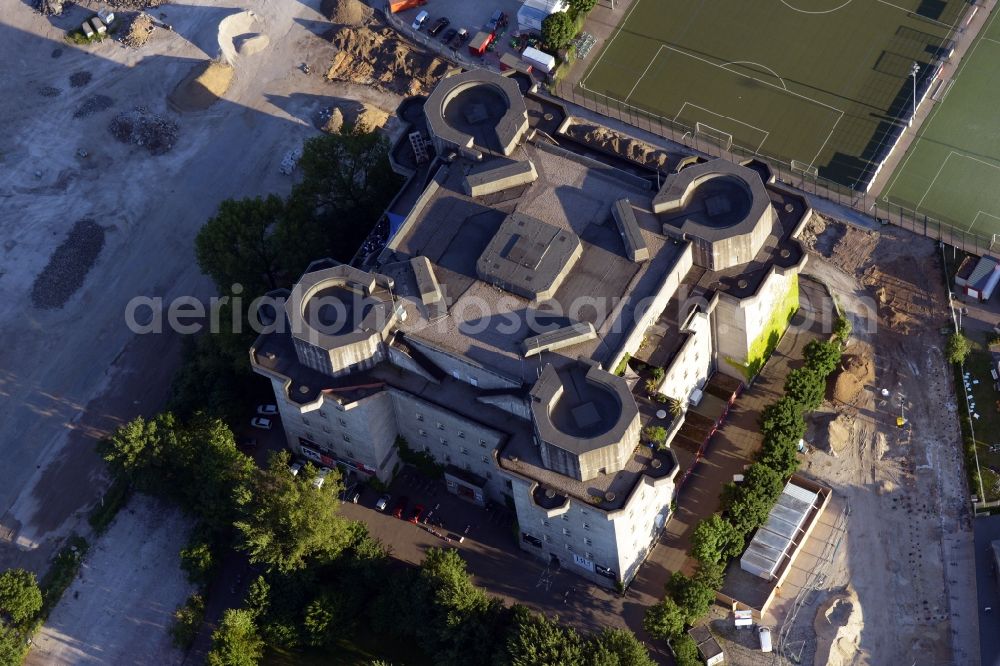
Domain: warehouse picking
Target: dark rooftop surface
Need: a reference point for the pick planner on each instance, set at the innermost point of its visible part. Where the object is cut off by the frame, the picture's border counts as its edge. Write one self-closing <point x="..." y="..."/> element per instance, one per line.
<point x="603" y="288"/>
<point x="477" y="111"/>
<point x="336" y="310"/>
<point x="583" y="409"/>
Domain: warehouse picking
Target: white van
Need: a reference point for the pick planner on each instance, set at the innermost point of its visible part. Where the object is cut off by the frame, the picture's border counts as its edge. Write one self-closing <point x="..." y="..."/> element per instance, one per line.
<point x="765" y="639"/>
<point x="418" y="23"/>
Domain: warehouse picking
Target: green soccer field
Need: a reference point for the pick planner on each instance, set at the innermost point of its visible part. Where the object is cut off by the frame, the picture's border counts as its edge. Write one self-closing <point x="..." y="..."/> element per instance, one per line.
<point x="826" y="83"/>
<point x="951" y="171"/>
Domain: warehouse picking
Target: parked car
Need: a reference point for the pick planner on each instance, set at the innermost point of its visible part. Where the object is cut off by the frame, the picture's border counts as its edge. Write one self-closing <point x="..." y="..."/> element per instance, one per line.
<point x="399" y="508"/>
<point x="261" y="423"/>
<point x="295" y="468"/>
<point x="449" y="35"/>
<point x="462" y="36"/>
<point x="321" y="477"/>
<point x="353" y="496"/>
<point x="383" y="503"/>
<point x="497" y="21"/>
<point x="267" y="410"/>
<point x="418" y="511"/>
<point x="438" y="26"/>
<point x="248" y="442"/>
<point x="420" y="20"/>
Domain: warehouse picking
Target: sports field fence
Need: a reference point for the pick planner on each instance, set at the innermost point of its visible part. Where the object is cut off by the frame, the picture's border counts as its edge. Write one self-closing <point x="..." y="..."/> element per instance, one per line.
<point x="804" y="180"/>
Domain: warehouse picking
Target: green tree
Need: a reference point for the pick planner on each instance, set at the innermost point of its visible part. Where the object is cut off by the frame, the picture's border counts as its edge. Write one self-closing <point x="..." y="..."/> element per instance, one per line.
<point x="822" y="357"/>
<point x="842" y="329"/>
<point x="664" y="620"/>
<point x="654" y="434"/>
<point x="20" y="598"/>
<point x="782" y="457"/>
<point x="134" y="452"/>
<point x="258" y="597"/>
<point x="323" y="618"/>
<point x="579" y="7"/>
<point x="558" y="30"/>
<point x="197" y="561"/>
<point x="805" y="387"/>
<point x="12" y="646"/>
<point x="781" y="421"/>
<point x="685" y="651"/>
<point x="236" y="641"/>
<point x="711" y="574"/>
<point x="187" y="620"/>
<point x="287" y="521"/>
<point x="616" y="647"/>
<point x="237" y="245"/>
<point x="692" y="595"/>
<point x="347" y="183"/>
<point x="751" y="502"/>
<point x="538" y="641"/>
<point x="715" y="539"/>
<point x="958" y="348"/>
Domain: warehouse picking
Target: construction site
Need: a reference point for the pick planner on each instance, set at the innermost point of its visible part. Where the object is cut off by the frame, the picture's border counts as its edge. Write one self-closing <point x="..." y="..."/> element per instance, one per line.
<point x="119" y="149"/>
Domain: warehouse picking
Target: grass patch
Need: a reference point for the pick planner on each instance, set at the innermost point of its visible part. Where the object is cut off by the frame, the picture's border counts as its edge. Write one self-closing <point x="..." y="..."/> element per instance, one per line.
<point x="61" y="574"/>
<point x="987" y="426"/>
<point x="111" y="503"/>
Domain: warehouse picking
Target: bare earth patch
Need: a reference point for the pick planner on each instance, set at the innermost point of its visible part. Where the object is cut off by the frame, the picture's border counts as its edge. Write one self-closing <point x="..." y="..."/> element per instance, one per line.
<point x="118" y="611"/>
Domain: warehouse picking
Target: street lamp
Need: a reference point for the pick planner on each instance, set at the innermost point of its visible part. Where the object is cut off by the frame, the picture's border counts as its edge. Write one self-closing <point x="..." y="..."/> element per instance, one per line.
<point x="913" y="74"/>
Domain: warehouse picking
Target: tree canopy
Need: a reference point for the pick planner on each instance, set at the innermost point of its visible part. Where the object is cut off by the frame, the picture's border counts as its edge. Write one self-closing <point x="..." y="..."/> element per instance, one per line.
<point x="20" y="598"/>
<point x="617" y="647"/>
<point x="822" y="357"/>
<point x="715" y="540"/>
<point x="287" y="521"/>
<point x="238" y="245"/>
<point x="958" y="348"/>
<point x="539" y="641"/>
<point x="806" y="387"/>
<point x="236" y="642"/>
<point x="558" y="29"/>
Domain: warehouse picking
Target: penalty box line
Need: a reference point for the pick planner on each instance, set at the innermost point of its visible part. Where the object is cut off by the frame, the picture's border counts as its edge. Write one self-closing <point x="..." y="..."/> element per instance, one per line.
<point x="840" y="113"/>
<point x="719" y="115"/>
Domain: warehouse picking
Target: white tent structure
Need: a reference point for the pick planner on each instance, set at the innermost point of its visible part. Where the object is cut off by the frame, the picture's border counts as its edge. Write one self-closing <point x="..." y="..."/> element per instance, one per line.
<point x="533" y="12"/>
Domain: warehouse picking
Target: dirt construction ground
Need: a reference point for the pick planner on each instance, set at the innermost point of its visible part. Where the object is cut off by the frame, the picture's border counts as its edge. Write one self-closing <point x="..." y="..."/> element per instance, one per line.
<point x="111" y="158"/>
<point x="138" y="592"/>
<point x="898" y="585"/>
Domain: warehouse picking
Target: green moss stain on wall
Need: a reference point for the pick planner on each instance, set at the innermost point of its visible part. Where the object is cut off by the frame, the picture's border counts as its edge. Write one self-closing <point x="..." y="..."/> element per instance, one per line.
<point x="770" y="335"/>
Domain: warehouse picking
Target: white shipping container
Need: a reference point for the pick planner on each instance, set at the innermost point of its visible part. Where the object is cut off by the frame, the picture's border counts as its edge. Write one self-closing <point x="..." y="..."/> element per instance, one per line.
<point x="539" y="59"/>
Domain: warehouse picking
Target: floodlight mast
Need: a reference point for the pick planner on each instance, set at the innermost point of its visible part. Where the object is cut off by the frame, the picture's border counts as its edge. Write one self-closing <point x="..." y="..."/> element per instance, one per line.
<point x="914" y="70"/>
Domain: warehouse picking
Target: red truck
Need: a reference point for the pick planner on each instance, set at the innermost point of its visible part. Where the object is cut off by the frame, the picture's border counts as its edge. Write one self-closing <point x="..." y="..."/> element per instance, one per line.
<point x="480" y="43"/>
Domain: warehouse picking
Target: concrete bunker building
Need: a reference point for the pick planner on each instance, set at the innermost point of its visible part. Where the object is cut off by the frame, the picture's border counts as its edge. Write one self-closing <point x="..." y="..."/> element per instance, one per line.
<point x="492" y="329"/>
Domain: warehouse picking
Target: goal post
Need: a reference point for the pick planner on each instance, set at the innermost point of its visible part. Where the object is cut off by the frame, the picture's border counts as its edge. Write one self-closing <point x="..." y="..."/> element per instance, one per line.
<point x="722" y="139"/>
<point x="804" y="169"/>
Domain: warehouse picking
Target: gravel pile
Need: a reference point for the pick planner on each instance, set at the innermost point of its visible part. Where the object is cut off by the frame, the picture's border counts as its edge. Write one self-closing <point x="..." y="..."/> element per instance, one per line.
<point x="49" y="7"/>
<point x="68" y="266"/>
<point x="49" y="91"/>
<point x="80" y="79"/>
<point x="92" y="105"/>
<point x="138" y="30"/>
<point x="135" y="4"/>
<point x="142" y="127"/>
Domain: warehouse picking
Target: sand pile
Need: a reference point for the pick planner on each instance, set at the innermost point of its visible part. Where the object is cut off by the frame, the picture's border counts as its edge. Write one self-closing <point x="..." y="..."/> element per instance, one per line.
<point x="346" y="12"/>
<point x="838" y="626"/>
<point x="249" y="44"/>
<point x="334" y="121"/>
<point x="234" y="28"/>
<point x="380" y="58"/>
<point x="202" y="87"/>
<point x="619" y="144"/>
<point x="839" y="434"/>
<point x="857" y="372"/>
<point x="138" y="31"/>
<point x="371" y="117"/>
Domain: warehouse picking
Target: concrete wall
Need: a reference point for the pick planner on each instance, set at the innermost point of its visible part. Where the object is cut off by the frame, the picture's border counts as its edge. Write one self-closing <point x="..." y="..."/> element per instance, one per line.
<point x="619" y="541"/>
<point x="464" y="369"/>
<point x="693" y="363"/>
<point x="363" y="431"/>
<point x="449" y="438"/>
<point x="342" y="360"/>
<point x="740" y="322"/>
<point x="512" y="404"/>
<point x="656" y="307"/>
